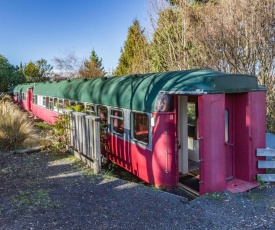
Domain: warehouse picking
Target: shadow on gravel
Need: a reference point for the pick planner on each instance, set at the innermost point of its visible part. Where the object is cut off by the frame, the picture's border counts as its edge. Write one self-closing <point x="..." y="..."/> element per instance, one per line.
<point x="49" y="191"/>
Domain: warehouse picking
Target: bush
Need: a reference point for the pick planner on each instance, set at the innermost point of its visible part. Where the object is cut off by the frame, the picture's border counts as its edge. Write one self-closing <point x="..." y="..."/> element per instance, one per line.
<point x="16" y="131"/>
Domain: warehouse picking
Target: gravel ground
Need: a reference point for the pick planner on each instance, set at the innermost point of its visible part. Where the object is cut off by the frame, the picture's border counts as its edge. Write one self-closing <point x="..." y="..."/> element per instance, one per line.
<point x="49" y="191"/>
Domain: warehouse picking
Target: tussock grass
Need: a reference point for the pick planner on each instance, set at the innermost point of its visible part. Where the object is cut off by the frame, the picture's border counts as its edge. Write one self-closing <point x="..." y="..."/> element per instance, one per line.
<point x="16" y="131"/>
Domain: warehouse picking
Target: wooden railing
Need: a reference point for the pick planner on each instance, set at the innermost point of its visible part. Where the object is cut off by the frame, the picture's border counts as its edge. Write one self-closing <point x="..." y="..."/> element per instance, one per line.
<point x="269" y="163"/>
<point x="84" y="138"/>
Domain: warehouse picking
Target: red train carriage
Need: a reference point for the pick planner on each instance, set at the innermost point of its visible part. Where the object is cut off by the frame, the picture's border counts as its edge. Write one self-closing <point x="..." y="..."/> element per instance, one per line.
<point x="196" y="128"/>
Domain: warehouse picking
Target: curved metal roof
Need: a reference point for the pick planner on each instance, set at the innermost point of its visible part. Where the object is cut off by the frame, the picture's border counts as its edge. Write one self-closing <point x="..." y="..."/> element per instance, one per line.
<point x="139" y="91"/>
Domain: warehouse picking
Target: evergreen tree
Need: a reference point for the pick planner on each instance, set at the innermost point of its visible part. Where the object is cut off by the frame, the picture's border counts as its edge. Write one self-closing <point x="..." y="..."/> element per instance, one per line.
<point x="135" y="53"/>
<point x="92" y="67"/>
<point x="9" y="74"/>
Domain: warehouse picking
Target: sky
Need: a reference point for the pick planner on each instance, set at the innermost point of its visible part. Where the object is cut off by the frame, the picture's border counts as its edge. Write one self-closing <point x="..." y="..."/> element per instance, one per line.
<point x="35" y="29"/>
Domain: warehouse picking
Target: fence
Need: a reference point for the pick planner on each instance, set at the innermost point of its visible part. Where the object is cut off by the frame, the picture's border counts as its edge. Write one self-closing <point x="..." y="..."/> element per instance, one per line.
<point x="84" y="138"/>
<point x="269" y="163"/>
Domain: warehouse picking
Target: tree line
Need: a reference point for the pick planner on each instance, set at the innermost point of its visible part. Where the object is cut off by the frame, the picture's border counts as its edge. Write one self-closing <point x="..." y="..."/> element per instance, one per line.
<point x="233" y="36"/>
<point x="68" y="66"/>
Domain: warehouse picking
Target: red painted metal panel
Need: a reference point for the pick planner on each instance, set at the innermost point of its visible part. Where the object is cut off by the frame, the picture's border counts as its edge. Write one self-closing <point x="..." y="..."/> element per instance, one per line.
<point x="156" y="167"/>
<point x="29" y="99"/>
<point x="212" y="151"/>
<point x="165" y="165"/>
<point x="241" y="135"/>
<point x="229" y="129"/>
<point x="257" y="138"/>
<point x="249" y="133"/>
<point x="45" y="114"/>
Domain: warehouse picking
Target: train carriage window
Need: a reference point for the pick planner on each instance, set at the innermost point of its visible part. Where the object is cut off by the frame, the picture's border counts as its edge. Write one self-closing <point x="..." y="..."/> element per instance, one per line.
<point x="34" y="99"/>
<point x="192" y="120"/>
<point x="47" y="102"/>
<point x="24" y="97"/>
<point x="55" y="104"/>
<point x="140" y="129"/>
<point x="117" y="123"/>
<point x="164" y="103"/>
<point x="44" y="102"/>
<point x="72" y="103"/>
<point x="40" y="100"/>
<point x="90" y="109"/>
<point x="51" y="103"/>
<point x="66" y="104"/>
<point x="60" y="104"/>
<point x="102" y="111"/>
<point x="80" y="107"/>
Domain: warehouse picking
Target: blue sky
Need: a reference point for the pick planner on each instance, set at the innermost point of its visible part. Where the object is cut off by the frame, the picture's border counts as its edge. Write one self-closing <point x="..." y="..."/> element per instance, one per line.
<point x="35" y="29"/>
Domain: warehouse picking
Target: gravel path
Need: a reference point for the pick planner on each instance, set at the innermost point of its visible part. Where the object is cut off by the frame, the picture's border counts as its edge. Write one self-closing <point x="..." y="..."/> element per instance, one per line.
<point x="46" y="191"/>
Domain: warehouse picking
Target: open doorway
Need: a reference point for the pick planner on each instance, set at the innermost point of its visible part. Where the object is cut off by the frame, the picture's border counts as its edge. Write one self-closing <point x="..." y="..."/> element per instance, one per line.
<point x="188" y="153"/>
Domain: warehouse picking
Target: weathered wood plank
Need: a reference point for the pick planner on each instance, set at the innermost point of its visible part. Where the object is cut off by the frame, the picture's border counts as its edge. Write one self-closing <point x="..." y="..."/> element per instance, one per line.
<point x="266" y="152"/>
<point x="266" y="164"/>
<point x="266" y="177"/>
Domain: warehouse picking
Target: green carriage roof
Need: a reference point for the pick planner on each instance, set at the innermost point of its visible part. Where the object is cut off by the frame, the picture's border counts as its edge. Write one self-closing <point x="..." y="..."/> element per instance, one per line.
<point x="139" y="91"/>
<point x="23" y="88"/>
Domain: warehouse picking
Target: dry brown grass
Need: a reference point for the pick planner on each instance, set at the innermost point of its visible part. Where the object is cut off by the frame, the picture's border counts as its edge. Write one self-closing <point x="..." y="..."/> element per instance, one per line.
<point x="16" y="131"/>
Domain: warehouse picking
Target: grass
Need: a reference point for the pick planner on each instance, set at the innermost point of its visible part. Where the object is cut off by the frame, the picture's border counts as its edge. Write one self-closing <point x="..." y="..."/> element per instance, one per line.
<point x="16" y="131"/>
<point x="33" y="200"/>
<point x="214" y="196"/>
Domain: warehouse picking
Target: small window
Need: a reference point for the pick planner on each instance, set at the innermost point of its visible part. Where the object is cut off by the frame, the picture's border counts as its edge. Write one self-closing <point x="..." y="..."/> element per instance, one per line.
<point x="24" y="97"/>
<point x="47" y="102"/>
<point x="192" y="120"/>
<point x="164" y="103"/>
<point x="140" y="129"/>
<point x="117" y="123"/>
<point x="55" y="104"/>
<point x="72" y="103"/>
<point x="226" y="118"/>
<point x="44" y="102"/>
<point x="66" y="104"/>
<point x="90" y="109"/>
<point x="51" y="103"/>
<point x="60" y="104"/>
<point x="102" y="111"/>
<point x="34" y="99"/>
<point x="80" y="106"/>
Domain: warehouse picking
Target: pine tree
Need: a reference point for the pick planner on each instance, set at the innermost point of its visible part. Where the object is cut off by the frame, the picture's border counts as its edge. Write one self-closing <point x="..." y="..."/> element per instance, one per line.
<point x="92" y="67"/>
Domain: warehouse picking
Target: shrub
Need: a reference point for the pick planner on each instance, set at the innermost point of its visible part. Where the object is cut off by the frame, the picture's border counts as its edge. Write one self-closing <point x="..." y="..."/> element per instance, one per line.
<point x="16" y="130"/>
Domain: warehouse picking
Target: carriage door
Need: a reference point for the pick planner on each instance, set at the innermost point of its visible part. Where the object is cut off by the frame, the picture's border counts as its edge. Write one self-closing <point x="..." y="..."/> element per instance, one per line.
<point x="29" y="99"/>
<point x="228" y="117"/>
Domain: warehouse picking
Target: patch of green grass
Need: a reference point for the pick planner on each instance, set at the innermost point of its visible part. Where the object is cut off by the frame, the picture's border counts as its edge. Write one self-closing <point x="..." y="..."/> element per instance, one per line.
<point x="65" y="155"/>
<point x="254" y="196"/>
<point x="44" y="125"/>
<point x="259" y="180"/>
<point x="214" y="196"/>
<point x="33" y="200"/>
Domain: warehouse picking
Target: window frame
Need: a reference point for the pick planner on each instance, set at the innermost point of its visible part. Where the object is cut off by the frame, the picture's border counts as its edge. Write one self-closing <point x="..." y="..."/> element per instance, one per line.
<point x="112" y="121"/>
<point x="194" y="101"/>
<point x="51" y="103"/>
<point x="90" y="111"/>
<point x="133" y="137"/>
<point x="35" y="99"/>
